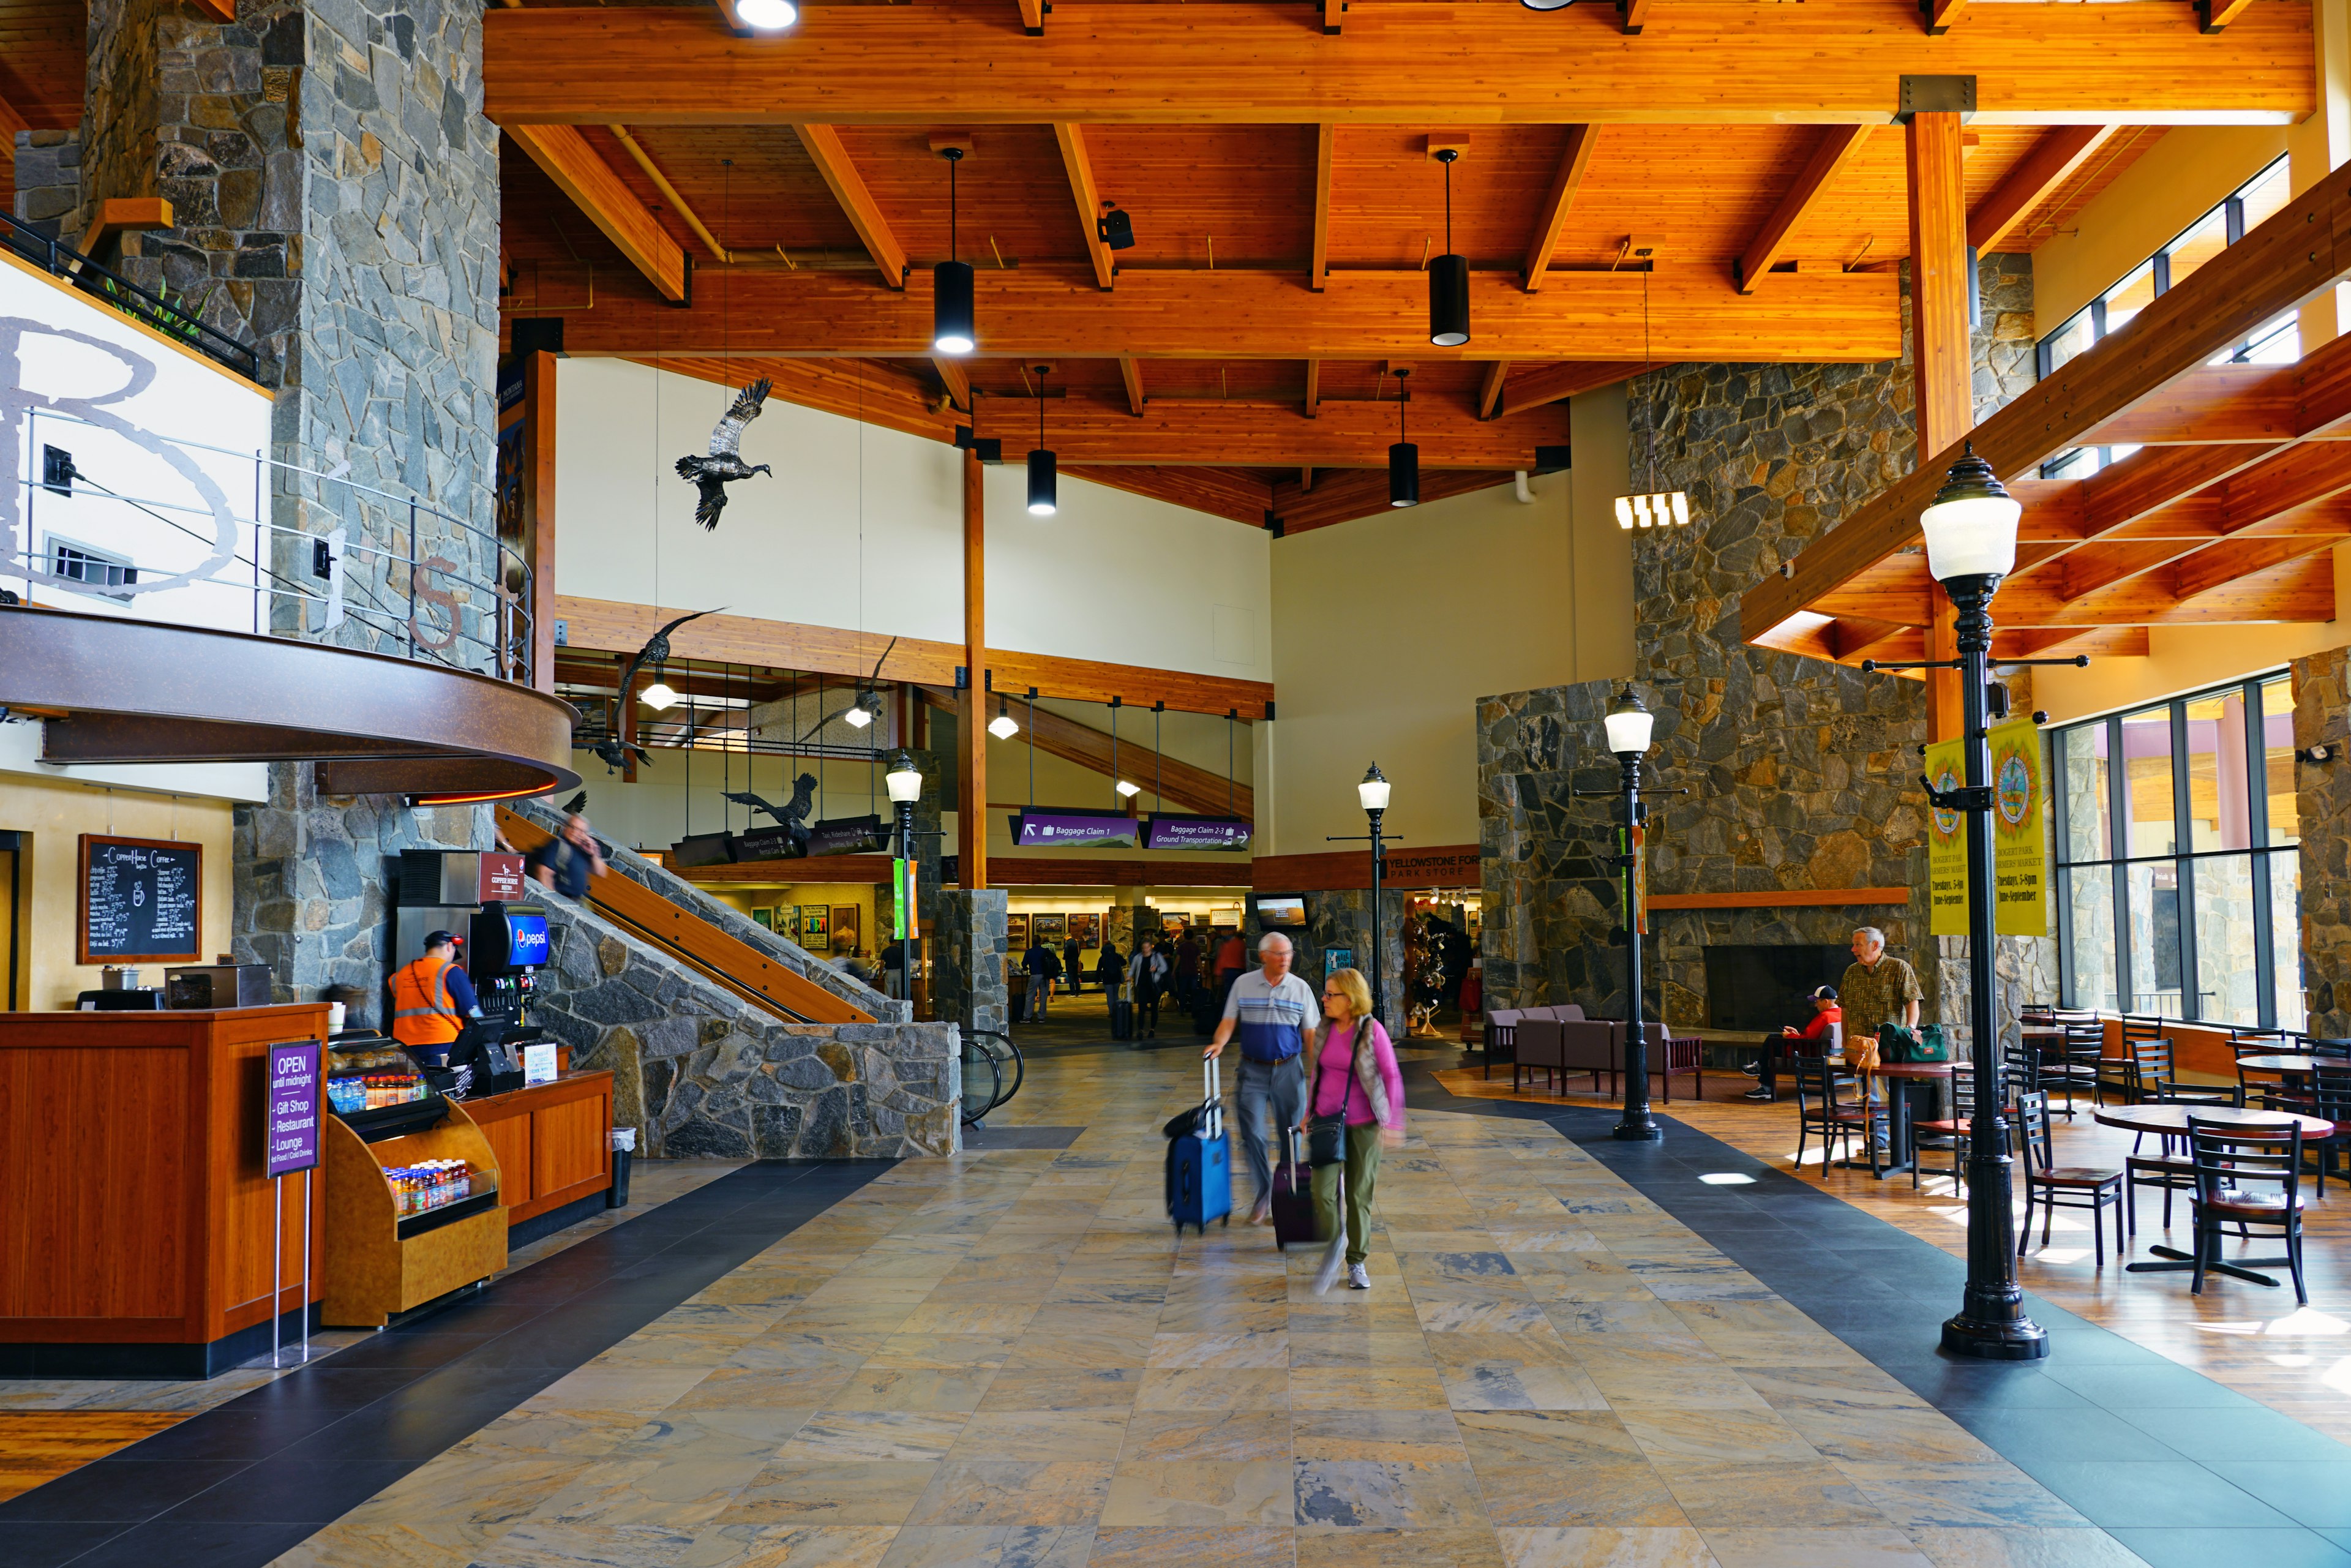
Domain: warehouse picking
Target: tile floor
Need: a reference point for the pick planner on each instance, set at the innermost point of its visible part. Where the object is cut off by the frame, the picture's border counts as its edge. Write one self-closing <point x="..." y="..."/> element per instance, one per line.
<point x="1005" y="1359"/>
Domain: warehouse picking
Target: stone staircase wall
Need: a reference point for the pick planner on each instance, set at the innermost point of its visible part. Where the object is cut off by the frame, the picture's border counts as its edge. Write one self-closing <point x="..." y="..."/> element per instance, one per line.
<point x="700" y="1074"/>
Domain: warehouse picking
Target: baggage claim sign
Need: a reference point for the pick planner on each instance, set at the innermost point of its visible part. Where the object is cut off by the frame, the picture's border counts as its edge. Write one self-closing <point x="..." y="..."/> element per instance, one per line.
<point x="2020" y="845"/>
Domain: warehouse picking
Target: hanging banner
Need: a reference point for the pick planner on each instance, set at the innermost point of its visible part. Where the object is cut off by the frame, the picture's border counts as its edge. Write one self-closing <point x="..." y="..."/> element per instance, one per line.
<point x="1069" y="830"/>
<point x="1166" y="832"/>
<point x="1946" y="845"/>
<point x="1637" y="917"/>
<point x="2019" y="848"/>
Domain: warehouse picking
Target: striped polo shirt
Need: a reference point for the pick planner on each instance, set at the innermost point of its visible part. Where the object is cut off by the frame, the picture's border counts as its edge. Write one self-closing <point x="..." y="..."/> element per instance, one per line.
<point x="1274" y="1020"/>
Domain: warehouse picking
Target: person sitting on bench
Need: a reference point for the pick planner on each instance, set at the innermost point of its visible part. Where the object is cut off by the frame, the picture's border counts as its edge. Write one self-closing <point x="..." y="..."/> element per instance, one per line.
<point x="1825" y="1012"/>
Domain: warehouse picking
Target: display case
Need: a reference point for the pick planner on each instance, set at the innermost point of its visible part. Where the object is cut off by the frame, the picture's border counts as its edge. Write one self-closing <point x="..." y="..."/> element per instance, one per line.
<point x="412" y="1209"/>
<point x="377" y="1088"/>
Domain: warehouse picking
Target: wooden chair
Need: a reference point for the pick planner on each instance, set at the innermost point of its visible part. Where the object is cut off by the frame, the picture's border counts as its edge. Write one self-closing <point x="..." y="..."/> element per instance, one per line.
<point x="1819" y="1111"/>
<point x="1947" y="1132"/>
<point x="2234" y="1164"/>
<point x="2053" y="1186"/>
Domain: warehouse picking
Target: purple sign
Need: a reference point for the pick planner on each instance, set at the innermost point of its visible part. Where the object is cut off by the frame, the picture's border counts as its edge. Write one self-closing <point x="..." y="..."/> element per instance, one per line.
<point x="1074" y="830"/>
<point x="291" y="1113"/>
<point x="1196" y="833"/>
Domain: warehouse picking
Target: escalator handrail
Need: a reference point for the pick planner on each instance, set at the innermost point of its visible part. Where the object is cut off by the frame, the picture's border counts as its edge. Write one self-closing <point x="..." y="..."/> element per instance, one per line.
<point x="1019" y="1064"/>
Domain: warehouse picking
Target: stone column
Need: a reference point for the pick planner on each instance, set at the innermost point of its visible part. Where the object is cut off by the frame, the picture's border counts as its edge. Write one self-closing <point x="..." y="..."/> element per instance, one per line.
<point x="967" y="953"/>
<point x="2322" y="686"/>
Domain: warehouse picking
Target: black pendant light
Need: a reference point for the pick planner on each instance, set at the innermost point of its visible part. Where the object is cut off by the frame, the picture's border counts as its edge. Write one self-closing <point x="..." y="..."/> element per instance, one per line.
<point x="953" y="329"/>
<point x="1448" y="275"/>
<point x="1403" y="458"/>
<point x="1044" y="485"/>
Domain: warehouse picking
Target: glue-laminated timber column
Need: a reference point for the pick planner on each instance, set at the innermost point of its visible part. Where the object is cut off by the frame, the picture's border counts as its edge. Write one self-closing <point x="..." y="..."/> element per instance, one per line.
<point x="971" y="717"/>
<point x="1940" y="349"/>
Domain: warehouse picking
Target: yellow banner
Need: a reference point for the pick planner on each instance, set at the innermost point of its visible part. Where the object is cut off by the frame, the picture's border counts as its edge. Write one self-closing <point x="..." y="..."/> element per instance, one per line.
<point x="1946" y="845"/>
<point x="2020" y="847"/>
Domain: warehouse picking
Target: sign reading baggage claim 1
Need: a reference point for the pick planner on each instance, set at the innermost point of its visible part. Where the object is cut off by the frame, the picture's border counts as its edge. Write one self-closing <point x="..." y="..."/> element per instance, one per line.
<point x="2020" y="845"/>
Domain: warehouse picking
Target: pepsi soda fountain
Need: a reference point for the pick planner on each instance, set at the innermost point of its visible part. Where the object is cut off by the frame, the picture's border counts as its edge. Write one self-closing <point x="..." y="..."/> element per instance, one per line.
<point x="509" y="943"/>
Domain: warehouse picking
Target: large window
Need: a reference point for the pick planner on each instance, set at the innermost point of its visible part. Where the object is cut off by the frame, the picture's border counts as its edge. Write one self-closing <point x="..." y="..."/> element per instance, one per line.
<point x="2276" y="341"/>
<point x="2178" y="878"/>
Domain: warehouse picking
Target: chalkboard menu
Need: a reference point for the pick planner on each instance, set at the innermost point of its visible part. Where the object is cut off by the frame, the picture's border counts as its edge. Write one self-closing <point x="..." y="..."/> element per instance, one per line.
<point x="141" y="900"/>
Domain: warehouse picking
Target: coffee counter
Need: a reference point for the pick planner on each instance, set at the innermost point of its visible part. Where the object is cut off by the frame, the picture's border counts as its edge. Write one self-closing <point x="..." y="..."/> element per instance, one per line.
<point x="553" y="1142"/>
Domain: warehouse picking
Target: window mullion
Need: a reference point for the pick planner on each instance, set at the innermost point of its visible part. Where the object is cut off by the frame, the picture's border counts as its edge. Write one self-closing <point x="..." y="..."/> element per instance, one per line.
<point x="2183" y="869"/>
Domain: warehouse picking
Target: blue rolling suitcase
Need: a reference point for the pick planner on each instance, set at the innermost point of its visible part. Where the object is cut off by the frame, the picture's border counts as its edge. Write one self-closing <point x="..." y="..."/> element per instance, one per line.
<point x="1200" y="1161"/>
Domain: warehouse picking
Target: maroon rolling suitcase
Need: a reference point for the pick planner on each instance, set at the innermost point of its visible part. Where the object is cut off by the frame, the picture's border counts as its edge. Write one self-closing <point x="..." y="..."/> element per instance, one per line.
<point x="1293" y="1193"/>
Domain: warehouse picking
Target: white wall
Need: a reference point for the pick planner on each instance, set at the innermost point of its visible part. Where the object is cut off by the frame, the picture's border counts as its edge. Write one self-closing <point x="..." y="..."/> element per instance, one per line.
<point x="1389" y="629"/>
<point x="1113" y="577"/>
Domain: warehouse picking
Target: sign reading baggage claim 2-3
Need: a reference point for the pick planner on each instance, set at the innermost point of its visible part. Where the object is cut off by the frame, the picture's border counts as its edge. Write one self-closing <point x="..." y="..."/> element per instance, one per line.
<point x="2020" y="846"/>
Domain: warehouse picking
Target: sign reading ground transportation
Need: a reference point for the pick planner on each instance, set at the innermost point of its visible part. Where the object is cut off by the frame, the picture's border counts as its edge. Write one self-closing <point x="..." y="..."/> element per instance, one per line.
<point x="291" y="1113"/>
<point x="1163" y="832"/>
<point x="1074" y="829"/>
<point x="141" y="900"/>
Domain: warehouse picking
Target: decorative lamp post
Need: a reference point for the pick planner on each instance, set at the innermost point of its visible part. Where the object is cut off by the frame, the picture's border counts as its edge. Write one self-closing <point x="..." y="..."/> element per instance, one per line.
<point x="1372" y="793"/>
<point x="1970" y="532"/>
<point x="905" y="782"/>
<point x="1629" y="725"/>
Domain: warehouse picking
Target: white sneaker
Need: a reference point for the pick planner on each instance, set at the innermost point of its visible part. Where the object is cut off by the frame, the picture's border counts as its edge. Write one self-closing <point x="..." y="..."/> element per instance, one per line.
<point x="1357" y="1278"/>
<point x="1332" y="1261"/>
<point x="1263" y="1212"/>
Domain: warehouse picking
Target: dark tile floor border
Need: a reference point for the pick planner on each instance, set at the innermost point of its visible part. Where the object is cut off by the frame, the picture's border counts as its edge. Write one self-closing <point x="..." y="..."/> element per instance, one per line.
<point x="984" y="1139"/>
<point x="2183" y="1471"/>
<point x="237" y="1485"/>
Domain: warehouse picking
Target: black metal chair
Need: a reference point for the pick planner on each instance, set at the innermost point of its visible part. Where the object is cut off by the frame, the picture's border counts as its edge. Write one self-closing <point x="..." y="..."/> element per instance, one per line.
<point x="2074" y="1067"/>
<point x="2168" y="1169"/>
<point x="1820" y="1110"/>
<point x="1948" y="1133"/>
<point x="2055" y="1185"/>
<point x="2234" y="1164"/>
<point x="2331" y="1098"/>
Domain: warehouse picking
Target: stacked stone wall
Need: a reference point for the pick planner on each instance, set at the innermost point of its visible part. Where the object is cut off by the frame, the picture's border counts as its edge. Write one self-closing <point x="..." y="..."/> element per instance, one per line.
<point x="966" y="942"/>
<point x="1796" y="773"/>
<point x="49" y="179"/>
<point x="2322" y="716"/>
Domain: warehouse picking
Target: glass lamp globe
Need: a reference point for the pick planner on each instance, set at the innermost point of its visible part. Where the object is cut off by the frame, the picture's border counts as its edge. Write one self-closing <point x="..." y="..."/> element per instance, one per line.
<point x="661" y="697"/>
<point x="768" y="16"/>
<point x="904" y="781"/>
<point x="1971" y="528"/>
<point x="1129" y="792"/>
<point x="1373" y="791"/>
<point x="1628" y="725"/>
<point x="1004" y="727"/>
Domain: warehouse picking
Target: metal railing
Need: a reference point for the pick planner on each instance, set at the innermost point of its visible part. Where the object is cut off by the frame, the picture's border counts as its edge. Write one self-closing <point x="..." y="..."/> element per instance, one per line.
<point x="301" y="554"/>
<point x="178" y="321"/>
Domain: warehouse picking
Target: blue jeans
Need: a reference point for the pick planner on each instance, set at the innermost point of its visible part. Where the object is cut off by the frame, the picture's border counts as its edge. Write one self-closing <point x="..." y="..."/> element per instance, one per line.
<point x="1281" y="1085"/>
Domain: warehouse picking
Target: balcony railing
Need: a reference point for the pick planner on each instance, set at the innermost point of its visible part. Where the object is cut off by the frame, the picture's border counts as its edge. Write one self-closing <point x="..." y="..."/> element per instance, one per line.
<point x="177" y="321"/>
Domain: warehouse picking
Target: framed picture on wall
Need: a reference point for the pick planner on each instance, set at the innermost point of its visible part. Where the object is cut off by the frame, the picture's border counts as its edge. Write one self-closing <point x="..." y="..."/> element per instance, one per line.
<point x="1016" y="932"/>
<point x="1087" y="929"/>
<point x="1337" y="959"/>
<point x="766" y="917"/>
<point x="815" y="922"/>
<point x="1048" y="927"/>
<point x="844" y="923"/>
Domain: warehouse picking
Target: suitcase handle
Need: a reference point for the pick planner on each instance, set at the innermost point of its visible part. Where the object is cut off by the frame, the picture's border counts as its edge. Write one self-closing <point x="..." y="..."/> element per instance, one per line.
<point x="1213" y="1099"/>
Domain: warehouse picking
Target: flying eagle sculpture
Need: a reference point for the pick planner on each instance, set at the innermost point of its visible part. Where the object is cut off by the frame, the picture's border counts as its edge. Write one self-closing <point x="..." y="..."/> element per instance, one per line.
<point x="724" y="464"/>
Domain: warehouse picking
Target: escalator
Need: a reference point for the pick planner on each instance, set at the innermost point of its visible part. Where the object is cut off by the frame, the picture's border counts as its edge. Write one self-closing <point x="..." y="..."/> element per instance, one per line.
<point x="759" y="979"/>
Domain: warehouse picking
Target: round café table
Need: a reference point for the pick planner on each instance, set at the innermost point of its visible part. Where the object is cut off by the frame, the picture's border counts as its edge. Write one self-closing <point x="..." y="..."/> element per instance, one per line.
<point x="2291" y="1063"/>
<point x="1901" y="1153"/>
<point x="2171" y="1121"/>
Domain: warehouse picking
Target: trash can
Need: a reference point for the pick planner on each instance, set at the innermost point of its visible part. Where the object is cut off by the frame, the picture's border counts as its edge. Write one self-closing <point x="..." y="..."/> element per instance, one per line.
<point x="624" y="1148"/>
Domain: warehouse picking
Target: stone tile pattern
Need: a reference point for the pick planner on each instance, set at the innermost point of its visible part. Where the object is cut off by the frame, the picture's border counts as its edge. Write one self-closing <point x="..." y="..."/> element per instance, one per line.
<point x="728" y="918"/>
<point x="313" y="882"/>
<point x="1799" y="773"/>
<point x="966" y="943"/>
<point x="2322" y="716"/>
<point x="1000" y="1359"/>
<point x="702" y="1075"/>
<point x="335" y="191"/>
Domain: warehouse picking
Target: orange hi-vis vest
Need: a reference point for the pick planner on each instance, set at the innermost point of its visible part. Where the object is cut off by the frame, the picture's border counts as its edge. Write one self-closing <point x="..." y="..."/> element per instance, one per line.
<point x="422" y="1012"/>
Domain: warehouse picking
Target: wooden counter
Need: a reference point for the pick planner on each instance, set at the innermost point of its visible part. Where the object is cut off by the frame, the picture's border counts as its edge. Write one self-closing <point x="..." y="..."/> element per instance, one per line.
<point x="553" y="1142"/>
<point x="135" y="1221"/>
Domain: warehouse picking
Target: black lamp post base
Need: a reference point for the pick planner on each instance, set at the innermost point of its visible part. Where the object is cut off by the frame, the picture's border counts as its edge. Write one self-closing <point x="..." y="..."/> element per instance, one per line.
<point x="2015" y="1339"/>
<point x="1641" y="1131"/>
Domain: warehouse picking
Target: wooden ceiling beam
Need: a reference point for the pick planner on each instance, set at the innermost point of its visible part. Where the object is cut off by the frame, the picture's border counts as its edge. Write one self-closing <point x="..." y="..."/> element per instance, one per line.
<point x="2215" y="15"/>
<point x="1130" y="370"/>
<point x="857" y="203"/>
<point x="2045" y="642"/>
<point x="1567" y="179"/>
<point x="1632" y="15"/>
<point x="580" y="172"/>
<point x="1490" y="390"/>
<point x="1220" y="493"/>
<point x="677" y="203"/>
<point x="1172" y="780"/>
<point x="1829" y="61"/>
<point x="1534" y="388"/>
<point x="2309" y="400"/>
<point x="2040" y="174"/>
<point x="956" y="378"/>
<point x="1363" y="492"/>
<point x="1832" y="152"/>
<point x="1081" y="170"/>
<point x="1313" y="404"/>
<point x="2288" y="258"/>
<point x="1032" y="17"/>
<point x="1938" y="15"/>
<point x="1318" y="264"/>
<point x="1230" y="314"/>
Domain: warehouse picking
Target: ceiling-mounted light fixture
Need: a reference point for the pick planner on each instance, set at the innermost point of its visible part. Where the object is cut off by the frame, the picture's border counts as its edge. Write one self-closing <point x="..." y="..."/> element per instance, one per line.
<point x="861" y="713"/>
<point x="1657" y="508"/>
<point x="1448" y="275"/>
<point x="1403" y="458"/>
<point x="1114" y="229"/>
<point x="1004" y="727"/>
<point x="1044" y="486"/>
<point x="661" y="697"/>
<point x="767" y="16"/>
<point x="1129" y="791"/>
<point x="953" y="329"/>
<point x="1546" y="5"/>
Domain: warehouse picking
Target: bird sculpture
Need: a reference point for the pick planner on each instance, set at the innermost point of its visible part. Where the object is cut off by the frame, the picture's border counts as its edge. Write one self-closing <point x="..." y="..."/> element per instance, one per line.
<point x="656" y="650"/>
<point x="576" y="804"/>
<point x="724" y="464"/>
<point x="613" y="752"/>
<point x="792" y="817"/>
<point x="866" y="701"/>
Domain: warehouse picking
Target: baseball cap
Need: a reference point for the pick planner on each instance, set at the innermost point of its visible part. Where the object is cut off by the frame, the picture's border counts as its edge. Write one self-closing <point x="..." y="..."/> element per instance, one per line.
<point x="1824" y="993"/>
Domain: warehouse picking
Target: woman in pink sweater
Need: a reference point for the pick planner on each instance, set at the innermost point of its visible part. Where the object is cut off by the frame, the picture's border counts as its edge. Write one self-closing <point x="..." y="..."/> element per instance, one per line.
<point x="1351" y="1070"/>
